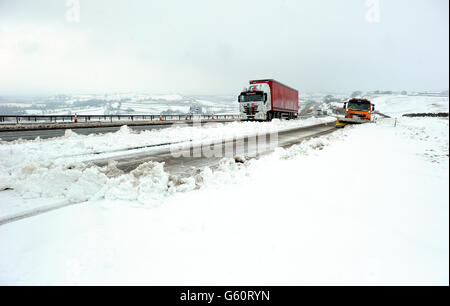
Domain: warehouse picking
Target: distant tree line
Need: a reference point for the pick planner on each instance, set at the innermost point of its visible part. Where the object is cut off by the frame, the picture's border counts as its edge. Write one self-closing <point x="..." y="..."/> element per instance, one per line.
<point x="330" y="99"/>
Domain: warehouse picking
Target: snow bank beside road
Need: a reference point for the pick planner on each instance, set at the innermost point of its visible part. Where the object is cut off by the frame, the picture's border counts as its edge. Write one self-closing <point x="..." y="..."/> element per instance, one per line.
<point x="364" y="205"/>
<point x="73" y="144"/>
<point x="148" y="185"/>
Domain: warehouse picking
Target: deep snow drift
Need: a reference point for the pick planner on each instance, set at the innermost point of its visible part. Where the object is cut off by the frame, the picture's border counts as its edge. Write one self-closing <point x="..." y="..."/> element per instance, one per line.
<point x="364" y="205"/>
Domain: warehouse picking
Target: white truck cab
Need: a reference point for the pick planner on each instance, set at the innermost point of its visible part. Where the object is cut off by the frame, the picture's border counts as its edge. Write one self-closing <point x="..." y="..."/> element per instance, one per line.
<point x="255" y="102"/>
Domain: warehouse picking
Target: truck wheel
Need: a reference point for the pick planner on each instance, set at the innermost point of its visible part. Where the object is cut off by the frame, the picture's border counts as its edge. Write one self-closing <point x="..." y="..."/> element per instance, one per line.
<point x="269" y="116"/>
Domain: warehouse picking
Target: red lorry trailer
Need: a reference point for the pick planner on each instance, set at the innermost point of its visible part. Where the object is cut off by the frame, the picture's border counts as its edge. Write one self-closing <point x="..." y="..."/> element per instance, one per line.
<point x="268" y="99"/>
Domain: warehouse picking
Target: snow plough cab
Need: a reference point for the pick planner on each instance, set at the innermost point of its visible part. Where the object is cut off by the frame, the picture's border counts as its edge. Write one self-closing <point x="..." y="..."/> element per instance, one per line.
<point x="357" y="111"/>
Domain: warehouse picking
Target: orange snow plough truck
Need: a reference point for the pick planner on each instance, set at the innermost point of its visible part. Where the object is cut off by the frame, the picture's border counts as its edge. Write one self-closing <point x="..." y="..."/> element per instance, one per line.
<point x="357" y="111"/>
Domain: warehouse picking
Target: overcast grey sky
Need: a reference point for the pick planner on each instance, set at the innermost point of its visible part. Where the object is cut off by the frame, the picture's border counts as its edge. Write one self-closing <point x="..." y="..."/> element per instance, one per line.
<point x="215" y="47"/>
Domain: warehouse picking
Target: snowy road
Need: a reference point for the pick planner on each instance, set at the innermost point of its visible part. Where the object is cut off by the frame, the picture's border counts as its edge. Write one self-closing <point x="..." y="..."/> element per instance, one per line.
<point x="181" y="165"/>
<point x="185" y="166"/>
<point x="38" y="175"/>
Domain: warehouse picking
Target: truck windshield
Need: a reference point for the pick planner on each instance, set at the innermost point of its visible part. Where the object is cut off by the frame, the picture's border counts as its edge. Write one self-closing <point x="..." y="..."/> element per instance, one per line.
<point x="359" y="106"/>
<point x="251" y="97"/>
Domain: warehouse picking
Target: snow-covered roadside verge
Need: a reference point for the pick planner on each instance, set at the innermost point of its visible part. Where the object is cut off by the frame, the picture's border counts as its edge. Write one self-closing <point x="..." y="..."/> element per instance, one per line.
<point x="364" y="205"/>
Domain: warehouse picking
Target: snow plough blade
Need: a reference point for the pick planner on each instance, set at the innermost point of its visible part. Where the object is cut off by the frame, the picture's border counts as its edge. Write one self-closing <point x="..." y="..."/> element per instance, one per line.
<point x="344" y="121"/>
<point x="340" y="124"/>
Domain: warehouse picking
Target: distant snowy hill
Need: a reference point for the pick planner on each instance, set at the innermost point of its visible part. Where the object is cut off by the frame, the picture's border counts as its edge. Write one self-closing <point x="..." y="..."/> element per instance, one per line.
<point x="118" y="104"/>
<point x="398" y="105"/>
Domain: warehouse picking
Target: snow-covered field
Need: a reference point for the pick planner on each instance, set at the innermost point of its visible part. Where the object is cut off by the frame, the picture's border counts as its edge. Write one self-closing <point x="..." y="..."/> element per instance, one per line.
<point x="365" y="205"/>
<point x="398" y="105"/>
<point x="130" y="103"/>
